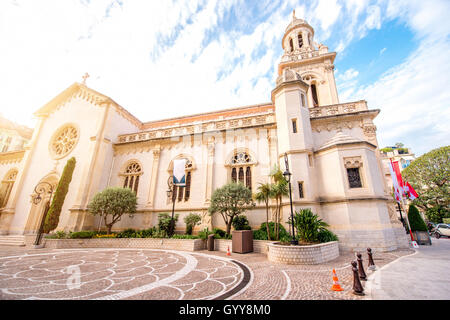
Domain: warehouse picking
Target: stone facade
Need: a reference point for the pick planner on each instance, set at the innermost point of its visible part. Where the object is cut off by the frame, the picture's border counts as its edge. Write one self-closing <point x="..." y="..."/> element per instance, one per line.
<point x="331" y="147"/>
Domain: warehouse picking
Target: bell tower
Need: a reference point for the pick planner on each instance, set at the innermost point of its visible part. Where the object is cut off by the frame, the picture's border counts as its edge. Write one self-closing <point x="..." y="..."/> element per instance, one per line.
<point x="311" y="61"/>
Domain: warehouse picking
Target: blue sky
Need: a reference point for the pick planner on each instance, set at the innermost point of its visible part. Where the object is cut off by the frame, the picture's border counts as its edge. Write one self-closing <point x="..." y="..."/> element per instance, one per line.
<point x="161" y="59"/>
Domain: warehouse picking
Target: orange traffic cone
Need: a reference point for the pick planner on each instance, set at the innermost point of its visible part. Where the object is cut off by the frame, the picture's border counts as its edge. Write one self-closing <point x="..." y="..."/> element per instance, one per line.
<point x="336" y="286"/>
<point x="228" y="251"/>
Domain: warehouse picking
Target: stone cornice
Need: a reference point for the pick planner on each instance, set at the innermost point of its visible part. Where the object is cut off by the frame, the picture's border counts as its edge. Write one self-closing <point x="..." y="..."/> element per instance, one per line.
<point x="11" y="157"/>
<point x="210" y="126"/>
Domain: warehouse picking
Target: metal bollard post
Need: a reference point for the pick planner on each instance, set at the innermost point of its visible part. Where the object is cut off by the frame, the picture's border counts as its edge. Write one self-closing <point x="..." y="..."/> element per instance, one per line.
<point x="357" y="287"/>
<point x="362" y="274"/>
<point x="372" y="265"/>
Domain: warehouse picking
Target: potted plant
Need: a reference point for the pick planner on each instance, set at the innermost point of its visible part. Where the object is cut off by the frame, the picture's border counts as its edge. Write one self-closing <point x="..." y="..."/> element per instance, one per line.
<point x="242" y="235"/>
<point x="418" y="226"/>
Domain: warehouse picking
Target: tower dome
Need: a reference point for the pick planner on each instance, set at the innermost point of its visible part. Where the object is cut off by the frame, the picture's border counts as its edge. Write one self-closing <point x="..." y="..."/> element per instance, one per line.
<point x="299" y="36"/>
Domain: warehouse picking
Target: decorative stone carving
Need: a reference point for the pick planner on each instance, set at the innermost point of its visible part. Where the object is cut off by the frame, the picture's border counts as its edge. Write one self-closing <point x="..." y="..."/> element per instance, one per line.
<point x="353" y="162"/>
<point x="331" y="111"/>
<point x="63" y="141"/>
<point x="369" y="130"/>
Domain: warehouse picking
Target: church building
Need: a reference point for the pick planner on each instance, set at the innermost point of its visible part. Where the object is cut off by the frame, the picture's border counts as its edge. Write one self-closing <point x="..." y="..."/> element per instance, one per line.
<point x="331" y="148"/>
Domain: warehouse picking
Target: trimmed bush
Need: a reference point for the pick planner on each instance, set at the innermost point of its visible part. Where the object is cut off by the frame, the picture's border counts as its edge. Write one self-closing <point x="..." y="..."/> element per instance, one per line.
<point x="82" y="235"/>
<point x="308" y="225"/>
<point x="415" y="220"/>
<point x="191" y="221"/>
<point x="326" y="235"/>
<point x="241" y="223"/>
<point x="164" y="220"/>
<point x="261" y="234"/>
<point x="52" y="217"/>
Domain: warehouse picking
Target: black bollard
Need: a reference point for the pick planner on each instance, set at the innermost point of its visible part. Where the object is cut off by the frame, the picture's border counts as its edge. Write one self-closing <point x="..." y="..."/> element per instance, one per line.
<point x="362" y="274"/>
<point x="371" y="263"/>
<point x="357" y="287"/>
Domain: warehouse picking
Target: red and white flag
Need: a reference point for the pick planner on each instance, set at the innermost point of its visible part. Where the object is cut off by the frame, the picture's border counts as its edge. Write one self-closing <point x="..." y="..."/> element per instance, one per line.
<point x="411" y="193"/>
<point x="398" y="185"/>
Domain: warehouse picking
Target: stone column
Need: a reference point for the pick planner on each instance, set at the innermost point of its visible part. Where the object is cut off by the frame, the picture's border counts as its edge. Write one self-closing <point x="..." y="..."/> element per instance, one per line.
<point x="153" y="178"/>
<point x="331" y="84"/>
<point x="209" y="170"/>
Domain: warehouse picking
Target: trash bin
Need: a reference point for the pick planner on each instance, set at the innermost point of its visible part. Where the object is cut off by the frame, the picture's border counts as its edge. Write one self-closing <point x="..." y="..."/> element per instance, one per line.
<point x="210" y="243"/>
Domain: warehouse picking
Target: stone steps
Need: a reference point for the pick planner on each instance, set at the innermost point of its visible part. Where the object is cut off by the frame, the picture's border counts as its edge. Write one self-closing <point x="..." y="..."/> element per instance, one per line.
<point x="12" y="240"/>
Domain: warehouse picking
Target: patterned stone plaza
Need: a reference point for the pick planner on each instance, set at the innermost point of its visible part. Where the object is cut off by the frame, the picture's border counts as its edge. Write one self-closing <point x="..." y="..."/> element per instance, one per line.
<point x="151" y="274"/>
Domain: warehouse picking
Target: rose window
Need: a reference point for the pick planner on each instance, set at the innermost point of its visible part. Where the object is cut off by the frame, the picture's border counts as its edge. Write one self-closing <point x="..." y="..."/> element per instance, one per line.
<point x="64" y="141"/>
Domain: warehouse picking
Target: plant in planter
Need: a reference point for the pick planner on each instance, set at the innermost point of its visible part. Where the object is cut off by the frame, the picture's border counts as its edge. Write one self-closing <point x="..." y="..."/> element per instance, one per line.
<point x="191" y="221"/>
<point x="310" y="228"/>
<point x="164" y="220"/>
<point x="241" y="223"/>
<point x="418" y="226"/>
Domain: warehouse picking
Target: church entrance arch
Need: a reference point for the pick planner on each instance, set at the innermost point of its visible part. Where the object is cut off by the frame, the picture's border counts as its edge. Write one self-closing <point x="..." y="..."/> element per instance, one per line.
<point x="40" y="202"/>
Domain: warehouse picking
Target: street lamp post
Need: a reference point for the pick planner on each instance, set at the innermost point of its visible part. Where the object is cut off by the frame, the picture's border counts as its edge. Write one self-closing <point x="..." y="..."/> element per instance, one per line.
<point x="287" y="175"/>
<point x="39" y="189"/>
<point x="171" y="194"/>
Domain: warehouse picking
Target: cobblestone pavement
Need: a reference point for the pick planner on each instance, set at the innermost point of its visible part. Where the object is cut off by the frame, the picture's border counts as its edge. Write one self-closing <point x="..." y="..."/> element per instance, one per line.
<point x="170" y="275"/>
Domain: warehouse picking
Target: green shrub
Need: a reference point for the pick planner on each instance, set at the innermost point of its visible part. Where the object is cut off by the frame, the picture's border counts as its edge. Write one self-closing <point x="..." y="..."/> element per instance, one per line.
<point x="204" y="234"/>
<point x="241" y="223"/>
<point x="191" y="221"/>
<point x="58" y="235"/>
<point x="446" y="220"/>
<point x="308" y="225"/>
<point x="148" y="233"/>
<point x="261" y="233"/>
<point x="219" y="233"/>
<point x="326" y="235"/>
<point x="184" y="236"/>
<point x="127" y="233"/>
<point x="82" y="234"/>
<point x="437" y="214"/>
<point x="164" y="220"/>
<point x="52" y="217"/>
<point x="415" y="220"/>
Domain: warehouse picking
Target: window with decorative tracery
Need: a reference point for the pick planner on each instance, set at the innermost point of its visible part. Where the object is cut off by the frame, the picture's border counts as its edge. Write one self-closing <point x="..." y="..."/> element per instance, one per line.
<point x="6" y="187"/>
<point x="131" y="176"/>
<point x="63" y="141"/>
<point x="241" y="170"/>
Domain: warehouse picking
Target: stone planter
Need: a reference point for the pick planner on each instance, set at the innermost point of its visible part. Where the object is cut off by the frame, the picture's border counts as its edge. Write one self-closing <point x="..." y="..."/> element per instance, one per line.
<point x="242" y="241"/>
<point x="144" y="243"/>
<point x="422" y="237"/>
<point x="312" y="254"/>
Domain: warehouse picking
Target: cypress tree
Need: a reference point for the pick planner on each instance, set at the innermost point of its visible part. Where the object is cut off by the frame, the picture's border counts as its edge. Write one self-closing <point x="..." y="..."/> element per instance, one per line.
<point x="415" y="220"/>
<point x="52" y="218"/>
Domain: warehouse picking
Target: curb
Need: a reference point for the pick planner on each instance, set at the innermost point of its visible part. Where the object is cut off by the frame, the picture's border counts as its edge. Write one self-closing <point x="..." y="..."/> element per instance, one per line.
<point x="368" y="288"/>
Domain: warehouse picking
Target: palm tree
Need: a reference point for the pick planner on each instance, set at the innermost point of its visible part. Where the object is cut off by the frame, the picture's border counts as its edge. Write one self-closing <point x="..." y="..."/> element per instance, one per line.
<point x="278" y="190"/>
<point x="264" y="195"/>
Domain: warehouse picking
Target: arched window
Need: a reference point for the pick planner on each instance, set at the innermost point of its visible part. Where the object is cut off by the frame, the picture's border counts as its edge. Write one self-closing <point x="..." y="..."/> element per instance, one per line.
<point x="300" y="41"/>
<point x="181" y="193"/>
<point x="6" y="187"/>
<point x="131" y="176"/>
<point x="241" y="170"/>
<point x="314" y="95"/>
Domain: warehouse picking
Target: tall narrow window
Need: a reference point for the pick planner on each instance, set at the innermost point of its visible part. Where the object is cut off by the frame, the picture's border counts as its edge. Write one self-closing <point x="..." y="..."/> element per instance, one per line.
<point x="187" y="191"/>
<point x="300" y="41"/>
<point x="233" y="175"/>
<point x="184" y="192"/>
<point x="300" y="190"/>
<point x="294" y="126"/>
<point x="6" y="187"/>
<point x="248" y="178"/>
<point x="241" y="175"/>
<point x="314" y="95"/>
<point x="131" y="176"/>
<point x="354" y="178"/>
<point x="291" y="45"/>
<point x="302" y="97"/>
<point x="241" y="170"/>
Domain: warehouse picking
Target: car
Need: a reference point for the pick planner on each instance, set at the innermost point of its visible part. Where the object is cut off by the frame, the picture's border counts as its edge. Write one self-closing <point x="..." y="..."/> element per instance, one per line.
<point x="442" y="229"/>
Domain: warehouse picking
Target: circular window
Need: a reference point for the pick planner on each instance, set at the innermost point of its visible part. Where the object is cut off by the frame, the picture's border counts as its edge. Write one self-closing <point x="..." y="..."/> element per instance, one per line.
<point x="63" y="141"/>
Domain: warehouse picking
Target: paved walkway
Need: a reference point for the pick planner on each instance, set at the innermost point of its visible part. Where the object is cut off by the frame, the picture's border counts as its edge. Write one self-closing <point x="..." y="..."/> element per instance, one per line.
<point x="171" y="275"/>
<point x="422" y="276"/>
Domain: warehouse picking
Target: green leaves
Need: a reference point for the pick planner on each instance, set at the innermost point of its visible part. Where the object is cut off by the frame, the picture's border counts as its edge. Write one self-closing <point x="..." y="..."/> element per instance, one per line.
<point x="429" y="175"/>
<point x="113" y="202"/>
<point x="415" y="220"/>
<point x="308" y="225"/>
<point x="52" y="218"/>
<point x="230" y="200"/>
